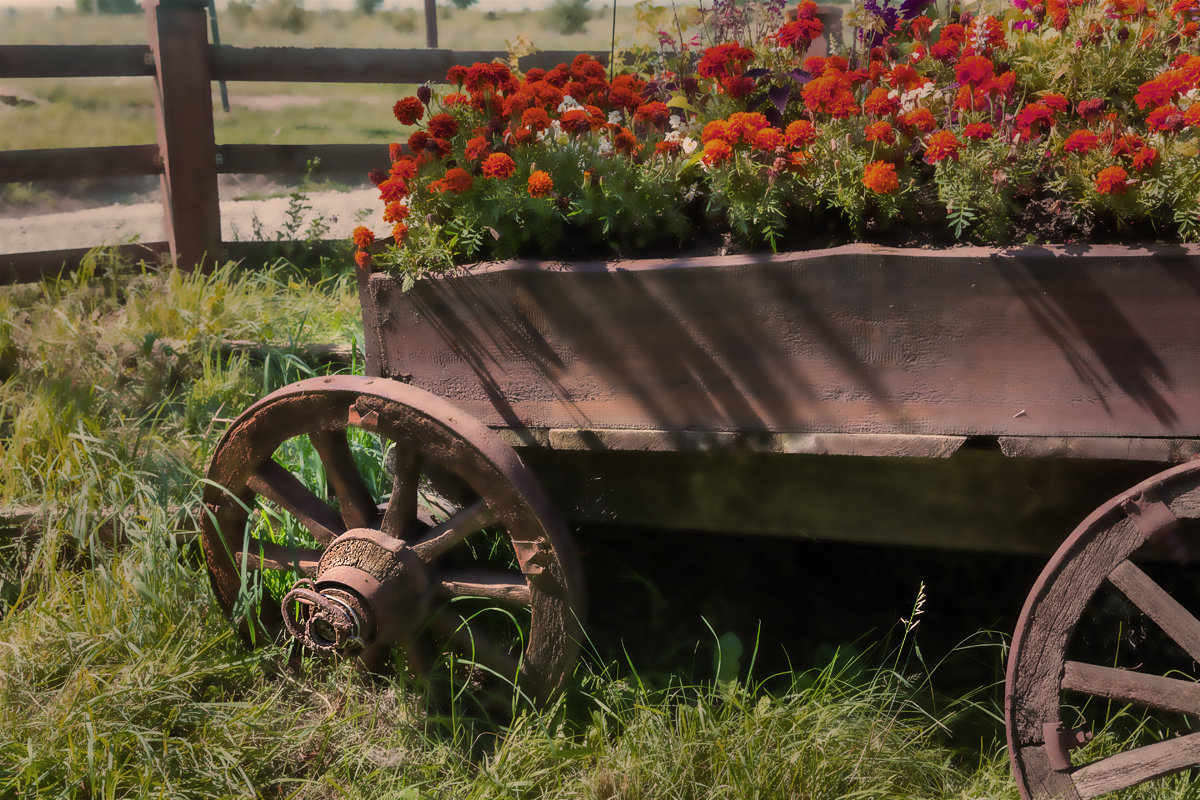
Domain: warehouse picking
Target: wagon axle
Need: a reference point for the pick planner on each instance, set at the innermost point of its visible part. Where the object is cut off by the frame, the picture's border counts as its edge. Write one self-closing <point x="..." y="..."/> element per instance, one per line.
<point x="370" y="588"/>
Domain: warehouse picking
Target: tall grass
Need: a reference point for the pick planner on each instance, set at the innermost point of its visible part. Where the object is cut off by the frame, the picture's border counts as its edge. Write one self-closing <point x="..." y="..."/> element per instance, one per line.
<point x="120" y="677"/>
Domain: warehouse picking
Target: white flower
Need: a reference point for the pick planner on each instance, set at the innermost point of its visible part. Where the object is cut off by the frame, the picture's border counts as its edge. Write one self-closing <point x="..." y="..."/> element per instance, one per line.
<point x="605" y="147"/>
<point x="689" y="145"/>
<point x="614" y="117"/>
<point x="567" y="104"/>
<point x="676" y="122"/>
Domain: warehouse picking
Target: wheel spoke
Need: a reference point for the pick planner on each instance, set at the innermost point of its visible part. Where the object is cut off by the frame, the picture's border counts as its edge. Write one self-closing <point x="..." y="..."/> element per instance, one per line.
<point x="358" y="506"/>
<point x="400" y="517"/>
<point x="469" y="641"/>
<point x="1155" y="603"/>
<point x="284" y="489"/>
<point x="503" y="586"/>
<point x="269" y="555"/>
<point x="1136" y="766"/>
<point x="471" y="519"/>
<point x="1154" y="691"/>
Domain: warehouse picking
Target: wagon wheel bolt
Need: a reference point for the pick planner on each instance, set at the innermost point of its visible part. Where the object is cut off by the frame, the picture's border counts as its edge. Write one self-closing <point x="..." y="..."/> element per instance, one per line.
<point x="322" y="620"/>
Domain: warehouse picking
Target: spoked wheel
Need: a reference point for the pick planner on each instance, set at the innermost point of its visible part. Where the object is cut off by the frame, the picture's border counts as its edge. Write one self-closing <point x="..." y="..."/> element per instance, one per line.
<point x="371" y="518"/>
<point x="1102" y="693"/>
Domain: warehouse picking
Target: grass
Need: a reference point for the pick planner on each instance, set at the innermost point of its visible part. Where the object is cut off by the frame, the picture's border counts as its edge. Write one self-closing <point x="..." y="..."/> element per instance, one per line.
<point x="119" y="676"/>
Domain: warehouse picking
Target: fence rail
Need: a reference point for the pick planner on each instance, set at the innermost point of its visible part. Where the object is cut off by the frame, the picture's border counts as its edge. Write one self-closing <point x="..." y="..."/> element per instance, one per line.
<point x="187" y="158"/>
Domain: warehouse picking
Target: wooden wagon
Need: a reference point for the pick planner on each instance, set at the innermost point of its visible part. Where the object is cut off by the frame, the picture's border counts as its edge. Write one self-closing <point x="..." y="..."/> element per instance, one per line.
<point x="655" y="392"/>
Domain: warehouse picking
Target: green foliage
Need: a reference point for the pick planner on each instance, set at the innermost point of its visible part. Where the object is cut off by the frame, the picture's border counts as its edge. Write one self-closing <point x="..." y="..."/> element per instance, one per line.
<point x="463" y="5"/>
<point x="367" y="7"/>
<point x="568" y="16"/>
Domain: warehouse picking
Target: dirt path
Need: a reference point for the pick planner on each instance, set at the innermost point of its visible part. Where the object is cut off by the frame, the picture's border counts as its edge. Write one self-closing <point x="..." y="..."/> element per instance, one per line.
<point x="241" y="220"/>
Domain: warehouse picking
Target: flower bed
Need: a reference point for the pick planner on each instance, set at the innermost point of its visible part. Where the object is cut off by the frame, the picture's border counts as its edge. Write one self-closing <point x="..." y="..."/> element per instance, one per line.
<point x="1061" y="121"/>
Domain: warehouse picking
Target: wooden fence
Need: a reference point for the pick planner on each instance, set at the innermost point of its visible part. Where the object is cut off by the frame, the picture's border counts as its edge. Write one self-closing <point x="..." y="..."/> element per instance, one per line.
<point x="186" y="156"/>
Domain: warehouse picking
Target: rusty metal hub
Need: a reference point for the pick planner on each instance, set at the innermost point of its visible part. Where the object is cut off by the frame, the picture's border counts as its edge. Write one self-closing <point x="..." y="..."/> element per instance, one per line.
<point x="369" y="588"/>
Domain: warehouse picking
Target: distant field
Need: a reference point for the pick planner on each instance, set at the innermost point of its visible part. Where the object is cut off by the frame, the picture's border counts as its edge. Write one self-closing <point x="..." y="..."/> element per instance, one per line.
<point x="105" y="111"/>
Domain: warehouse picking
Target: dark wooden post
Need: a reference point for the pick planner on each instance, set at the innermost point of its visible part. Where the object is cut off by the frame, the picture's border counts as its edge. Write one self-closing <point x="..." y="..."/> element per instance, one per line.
<point x="183" y="103"/>
<point x="431" y="37"/>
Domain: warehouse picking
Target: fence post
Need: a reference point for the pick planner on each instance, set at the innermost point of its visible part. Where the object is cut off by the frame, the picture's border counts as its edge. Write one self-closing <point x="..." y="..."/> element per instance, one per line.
<point x="178" y="38"/>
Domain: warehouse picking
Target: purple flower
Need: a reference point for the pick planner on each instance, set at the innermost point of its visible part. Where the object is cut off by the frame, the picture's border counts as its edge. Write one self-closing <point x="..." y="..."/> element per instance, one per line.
<point x="1024" y="25"/>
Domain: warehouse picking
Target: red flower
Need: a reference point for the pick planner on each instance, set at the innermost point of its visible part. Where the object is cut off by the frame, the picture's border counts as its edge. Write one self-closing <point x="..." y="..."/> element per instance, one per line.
<point x="738" y="86"/>
<point x="405" y="168"/>
<point x="499" y="165"/>
<point x="800" y="133"/>
<point x="575" y="120"/>
<point x="1090" y="109"/>
<point x="745" y="125"/>
<point x="880" y="177"/>
<point x="442" y="126"/>
<point x="476" y="148"/>
<point x="536" y="119"/>
<point x="724" y="60"/>
<point x="1034" y="114"/>
<point x="1191" y="117"/>
<point x="1166" y="119"/>
<point x="942" y="145"/>
<point x="1055" y="102"/>
<point x="880" y="103"/>
<point x="408" y="110"/>
<point x="395" y="151"/>
<point x="417" y="142"/>
<point x="393" y="189"/>
<point x="656" y="114"/>
<point x="456" y="180"/>
<point x="919" y="119"/>
<point x="978" y="130"/>
<point x="363" y="259"/>
<point x="1111" y="180"/>
<point x="395" y="211"/>
<point x="881" y="131"/>
<point x="830" y="93"/>
<point x="398" y="232"/>
<point x="363" y="237"/>
<point x="1081" y="141"/>
<point x="1145" y="158"/>
<point x="540" y="183"/>
<point x="974" y="70"/>
<point x="799" y="33"/>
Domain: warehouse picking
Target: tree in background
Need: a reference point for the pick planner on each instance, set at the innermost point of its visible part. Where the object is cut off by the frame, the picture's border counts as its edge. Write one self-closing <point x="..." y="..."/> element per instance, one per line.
<point x="462" y="5"/>
<point x="568" y="16"/>
<point x="108" y="6"/>
<point x="367" y="7"/>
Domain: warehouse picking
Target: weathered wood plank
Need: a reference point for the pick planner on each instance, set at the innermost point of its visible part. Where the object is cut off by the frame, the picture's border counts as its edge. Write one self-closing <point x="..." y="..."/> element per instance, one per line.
<point x="79" y="162"/>
<point x="1138" y="765"/>
<point x="1168" y="614"/>
<point x="1128" y="686"/>
<point x="360" y="65"/>
<point x="31" y="267"/>
<point x="75" y="61"/>
<point x="178" y="35"/>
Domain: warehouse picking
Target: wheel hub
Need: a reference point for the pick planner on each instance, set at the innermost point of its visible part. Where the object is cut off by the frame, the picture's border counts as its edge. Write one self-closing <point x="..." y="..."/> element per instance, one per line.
<point x="369" y="588"/>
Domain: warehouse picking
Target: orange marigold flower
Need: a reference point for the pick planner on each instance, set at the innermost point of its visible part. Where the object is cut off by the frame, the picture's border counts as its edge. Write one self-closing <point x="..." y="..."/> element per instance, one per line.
<point x="880" y="177"/>
<point x="442" y="126"/>
<point x="625" y="142"/>
<point x="575" y="120"/>
<point x="455" y="99"/>
<point x="656" y="113"/>
<point x="1191" y="117"/>
<point x="457" y="180"/>
<point x="408" y="110"/>
<point x="942" y="145"/>
<point x="800" y="133"/>
<point x="395" y="150"/>
<point x="393" y="189"/>
<point x="978" y="130"/>
<point x="540" y="183"/>
<point x="919" y="119"/>
<point x="738" y="86"/>
<point x="796" y="159"/>
<point x="1034" y="114"/>
<point x="499" y="165"/>
<point x="395" y="211"/>
<point x="1055" y="102"/>
<point x="768" y="139"/>
<point x="881" y="103"/>
<point x="716" y="151"/>
<point x="1111" y="180"/>
<point x="363" y="259"/>
<point x="398" y="232"/>
<point x="535" y="119"/>
<point x="477" y="147"/>
<point x="405" y="168"/>
<point x="417" y="142"/>
<point x="881" y="131"/>
<point x="717" y="129"/>
<point x="363" y="237"/>
<point x="745" y="125"/>
<point x="1081" y="141"/>
<point x="1145" y="158"/>
<point x="668" y="147"/>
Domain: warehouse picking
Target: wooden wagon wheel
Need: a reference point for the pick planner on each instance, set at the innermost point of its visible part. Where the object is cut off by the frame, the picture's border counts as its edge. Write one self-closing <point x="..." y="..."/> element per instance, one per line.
<point x="384" y="573"/>
<point x="1102" y="642"/>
